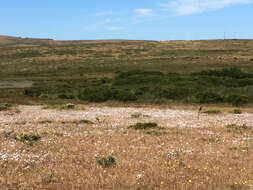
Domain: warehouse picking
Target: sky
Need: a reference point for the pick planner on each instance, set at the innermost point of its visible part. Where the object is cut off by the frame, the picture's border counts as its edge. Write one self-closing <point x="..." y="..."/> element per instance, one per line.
<point x="127" y="19"/>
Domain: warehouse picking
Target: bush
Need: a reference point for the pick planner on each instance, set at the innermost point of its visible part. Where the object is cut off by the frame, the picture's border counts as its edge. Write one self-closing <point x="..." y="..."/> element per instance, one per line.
<point x="237" y="111"/>
<point x="139" y="77"/>
<point x="209" y="97"/>
<point x="136" y="115"/>
<point x="66" y="96"/>
<point x="102" y="94"/>
<point x="28" y="138"/>
<point x="32" y="92"/>
<point x="231" y="72"/>
<point x="107" y="161"/>
<point x="237" y="100"/>
<point x="64" y="88"/>
<point x="144" y="125"/>
<point x="4" y="107"/>
<point x="97" y="94"/>
<point x="68" y="106"/>
<point x="212" y="112"/>
<point x="124" y="96"/>
<point x="173" y="93"/>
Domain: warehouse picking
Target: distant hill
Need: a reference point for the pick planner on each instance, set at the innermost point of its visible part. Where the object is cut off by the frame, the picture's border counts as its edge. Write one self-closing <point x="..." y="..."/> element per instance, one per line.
<point x="9" y="40"/>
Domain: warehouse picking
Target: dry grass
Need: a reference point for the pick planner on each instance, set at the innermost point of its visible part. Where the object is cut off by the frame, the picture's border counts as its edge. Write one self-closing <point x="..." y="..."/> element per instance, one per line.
<point x="205" y="156"/>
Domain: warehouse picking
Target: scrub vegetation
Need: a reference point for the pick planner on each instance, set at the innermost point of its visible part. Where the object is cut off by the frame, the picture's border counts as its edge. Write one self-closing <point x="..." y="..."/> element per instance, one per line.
<point x="184" y="72"/>
<point x="126" y="114"/>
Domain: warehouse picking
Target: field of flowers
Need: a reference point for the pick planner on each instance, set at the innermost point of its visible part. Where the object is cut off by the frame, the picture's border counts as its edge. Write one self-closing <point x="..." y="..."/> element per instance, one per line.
<point x="99" y="147"/>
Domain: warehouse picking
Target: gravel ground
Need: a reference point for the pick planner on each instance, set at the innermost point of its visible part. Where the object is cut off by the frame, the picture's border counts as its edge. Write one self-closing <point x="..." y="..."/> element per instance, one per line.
<point x="122" y="116"/>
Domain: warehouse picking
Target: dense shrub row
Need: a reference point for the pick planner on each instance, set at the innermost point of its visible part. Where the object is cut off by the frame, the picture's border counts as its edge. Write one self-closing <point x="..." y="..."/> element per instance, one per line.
<point x="230" y="72"/>
<point x="101" y="94"/>
<point x="211" y="86"/>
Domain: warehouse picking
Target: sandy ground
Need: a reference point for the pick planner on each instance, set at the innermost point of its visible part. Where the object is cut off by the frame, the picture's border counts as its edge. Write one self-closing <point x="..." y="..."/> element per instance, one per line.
<point x="122" y="116"/>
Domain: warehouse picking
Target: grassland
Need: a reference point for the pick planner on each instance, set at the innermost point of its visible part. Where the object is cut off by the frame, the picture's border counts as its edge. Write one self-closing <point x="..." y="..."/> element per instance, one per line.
<point x="125" y="114"/>
<point x="186" y="72"/>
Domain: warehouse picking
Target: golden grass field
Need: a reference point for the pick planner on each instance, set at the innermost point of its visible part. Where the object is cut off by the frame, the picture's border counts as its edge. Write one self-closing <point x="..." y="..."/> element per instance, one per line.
<point x="183" y="152"/>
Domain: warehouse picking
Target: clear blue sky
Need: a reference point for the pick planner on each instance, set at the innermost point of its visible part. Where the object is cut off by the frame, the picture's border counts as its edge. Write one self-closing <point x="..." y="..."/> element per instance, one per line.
<point x="127" y="19"/>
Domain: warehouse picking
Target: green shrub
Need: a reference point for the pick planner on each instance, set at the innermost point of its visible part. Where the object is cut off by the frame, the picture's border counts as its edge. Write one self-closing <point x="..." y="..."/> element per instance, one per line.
<point x="139" y="77"/>
<point x="153" y="132"/>
<point x="212" y="112"/>
<point x="28" y="138"/>
<point x="144" y="125"/>
<point x="4" y="107"/>
<point x="124" y="96"/>
<point x="136" y="115"/>
<point x="65" y="88"/>
<point x="209" y="97"/>
<point x="237" y="100"/>
<point x="67" y="106"/>
<point x="237" y="111"/>
<point x="97" y="94"/>
<point x="107" y="161"/>
<point x="65" y="96"/>
<point x="231" y="72"/>
<point x="173" y="93"/>
<point x="26" y="53"/>
<point x="32" y="92"/>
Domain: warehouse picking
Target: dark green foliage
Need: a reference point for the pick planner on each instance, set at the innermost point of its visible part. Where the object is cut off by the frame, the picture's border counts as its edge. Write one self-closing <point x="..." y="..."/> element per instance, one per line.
<point x="25" y="54"/>
<point x="107" y="161"/>
<point x="138" y="77"/>
<point x="154" y="86"/>
<point x="144" y="125"/>
<point x="102" y="94"/>
<point x="97" y="94"/>
<point x="231" y="72"/>
<point x="4" y="107"/>
<point x="237" y="100"/>
<point x="68" y="106"/>
<point x="143" y="71"/>
<point x="32" y="92"/>
<point x="64" y="88"/>
<point x="237" y="111"/>
<point x="28" y="138"/>
<point x="175" y="93"/>
<point x="209" y="97"/>
<point x="212" y="112"/>
<point x="66" y="96"/>
<point x="124" y="96"/>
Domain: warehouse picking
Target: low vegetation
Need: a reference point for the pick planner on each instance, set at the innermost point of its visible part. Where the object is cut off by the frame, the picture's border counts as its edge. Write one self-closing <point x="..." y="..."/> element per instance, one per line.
<point x="107" y="161"/>
<point x="212" y="112"/>
<point x="238" y="128"/>
<point x="149" y="125"/>
<point x="28" y="138"/>
<point x="105" y="152"/>
<point x="129" y="71"/>
<point x="4" y="107"/>
<point x="237" y="111"/>
<point x="61" y="106"/>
